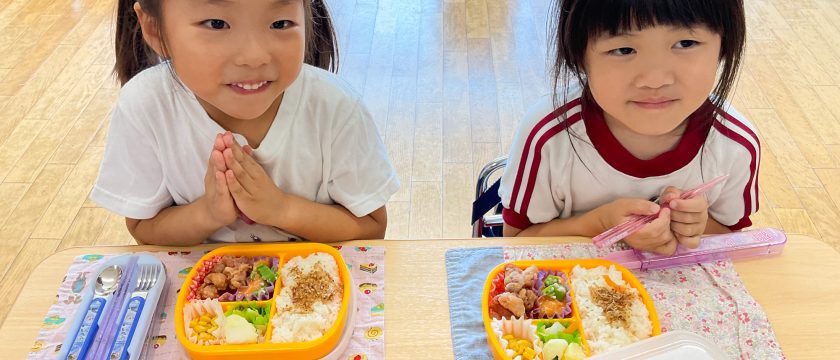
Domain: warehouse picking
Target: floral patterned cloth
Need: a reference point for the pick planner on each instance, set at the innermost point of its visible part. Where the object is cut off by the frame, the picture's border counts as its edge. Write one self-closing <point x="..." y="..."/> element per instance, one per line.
<point x="367" y="268"/>
<point x="706" y="299"/>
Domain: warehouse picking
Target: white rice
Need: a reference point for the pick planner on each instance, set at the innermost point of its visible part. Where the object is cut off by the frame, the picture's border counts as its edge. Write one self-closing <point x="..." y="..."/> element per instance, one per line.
<point x="293" y="325"/>
<point x="600" y="334"/>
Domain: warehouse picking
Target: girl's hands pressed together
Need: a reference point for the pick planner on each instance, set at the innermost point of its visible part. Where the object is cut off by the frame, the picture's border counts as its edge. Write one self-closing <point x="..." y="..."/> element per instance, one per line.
<point x="688" y="216"/>
<point x="252" y="189"/>
<point x="656" y="236"/>
<point x="217" y="200"/>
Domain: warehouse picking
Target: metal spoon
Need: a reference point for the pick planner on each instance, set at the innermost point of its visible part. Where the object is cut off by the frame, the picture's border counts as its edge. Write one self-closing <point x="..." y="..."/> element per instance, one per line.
<point x="107" y="281"/>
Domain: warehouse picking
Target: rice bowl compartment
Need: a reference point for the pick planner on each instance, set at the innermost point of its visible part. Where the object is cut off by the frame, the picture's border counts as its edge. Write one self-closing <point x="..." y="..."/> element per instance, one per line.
<point x="544" y="295"/>
<point x="247" y="324"/>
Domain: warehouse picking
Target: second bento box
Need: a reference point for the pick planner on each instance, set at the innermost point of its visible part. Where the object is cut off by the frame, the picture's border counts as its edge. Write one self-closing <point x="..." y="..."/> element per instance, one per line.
<point x="564" y="309"/>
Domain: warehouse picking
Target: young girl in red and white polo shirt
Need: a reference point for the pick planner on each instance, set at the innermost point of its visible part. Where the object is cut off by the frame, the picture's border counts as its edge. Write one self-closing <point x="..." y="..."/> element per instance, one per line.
<point x="639" y="112"/>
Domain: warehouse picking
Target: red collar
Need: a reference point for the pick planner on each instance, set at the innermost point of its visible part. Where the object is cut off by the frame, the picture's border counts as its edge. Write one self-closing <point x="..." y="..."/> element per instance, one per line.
<point x="622" y="160"/>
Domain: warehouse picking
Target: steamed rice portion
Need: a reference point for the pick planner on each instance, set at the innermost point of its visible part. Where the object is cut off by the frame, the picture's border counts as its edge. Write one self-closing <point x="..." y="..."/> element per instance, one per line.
<point x="310" y="299"/>
<point x="624" y="322"/>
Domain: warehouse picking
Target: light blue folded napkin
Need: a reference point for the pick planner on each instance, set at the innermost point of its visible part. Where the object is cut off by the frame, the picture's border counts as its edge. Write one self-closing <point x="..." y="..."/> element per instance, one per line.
<point x="466" y="271"/>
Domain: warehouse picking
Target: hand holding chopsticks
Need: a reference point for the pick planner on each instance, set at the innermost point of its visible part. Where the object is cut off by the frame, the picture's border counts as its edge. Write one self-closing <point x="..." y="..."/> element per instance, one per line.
<point x="637" y="222"/>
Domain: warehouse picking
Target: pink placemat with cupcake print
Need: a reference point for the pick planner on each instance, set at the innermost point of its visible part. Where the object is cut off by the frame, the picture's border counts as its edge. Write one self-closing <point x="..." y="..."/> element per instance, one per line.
<point x="706" y="299"/>
<point x="367" y="268"/>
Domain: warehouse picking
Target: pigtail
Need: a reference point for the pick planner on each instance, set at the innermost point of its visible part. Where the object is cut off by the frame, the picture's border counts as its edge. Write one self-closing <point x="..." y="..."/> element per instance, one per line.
<point x="321" y="42"/>
<point x="132" y="53"/>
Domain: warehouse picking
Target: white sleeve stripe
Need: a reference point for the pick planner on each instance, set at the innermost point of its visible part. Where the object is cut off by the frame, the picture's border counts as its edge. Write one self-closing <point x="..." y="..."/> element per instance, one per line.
<point x="730" y="128"/>
<point x="526" y="157"/>
<point x="536" y="157"/>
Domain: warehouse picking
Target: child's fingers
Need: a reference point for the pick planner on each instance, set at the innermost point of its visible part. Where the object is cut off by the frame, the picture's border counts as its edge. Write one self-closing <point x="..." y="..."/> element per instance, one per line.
<point x="638" y="207"/>
<point x="657" y="232"/>
<point x="248" y="150"/>
<point x="686" y="229"/>
<point x="697" y="204"/>
<point x="218" y="160"/>
<point x="239" y="171"/>
<point x="221" y="187"/>
<point x="686" y="217"/>
<point x="691" y="242"/>
<point x="218" y="143"/>
<point x="235" y="186"/>
<point x="670" y="193"/>
<point x="668" y="248"/>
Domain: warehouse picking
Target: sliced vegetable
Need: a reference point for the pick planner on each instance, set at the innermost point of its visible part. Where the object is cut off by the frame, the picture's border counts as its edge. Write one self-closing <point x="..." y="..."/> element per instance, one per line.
<point x="266" y="273"/>
<point x="556" y="330"/>
<point x="556" y="291"/>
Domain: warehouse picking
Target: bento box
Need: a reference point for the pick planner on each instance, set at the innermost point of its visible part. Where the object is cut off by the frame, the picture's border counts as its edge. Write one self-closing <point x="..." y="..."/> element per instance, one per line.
<point x="564" y="309"/>
<point x="289" y="301"/>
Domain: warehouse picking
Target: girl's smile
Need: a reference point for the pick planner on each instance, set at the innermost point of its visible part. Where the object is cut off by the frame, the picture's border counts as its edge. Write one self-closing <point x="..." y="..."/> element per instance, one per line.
<point x="250" y="87"/>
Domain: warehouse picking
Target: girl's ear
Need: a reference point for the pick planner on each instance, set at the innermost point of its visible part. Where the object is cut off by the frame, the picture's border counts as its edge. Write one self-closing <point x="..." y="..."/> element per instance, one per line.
<point x="150" y="30"/>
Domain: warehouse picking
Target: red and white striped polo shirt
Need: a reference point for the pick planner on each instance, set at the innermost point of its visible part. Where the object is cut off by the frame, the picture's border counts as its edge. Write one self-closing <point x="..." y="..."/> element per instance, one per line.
<point x="559" y="169"/>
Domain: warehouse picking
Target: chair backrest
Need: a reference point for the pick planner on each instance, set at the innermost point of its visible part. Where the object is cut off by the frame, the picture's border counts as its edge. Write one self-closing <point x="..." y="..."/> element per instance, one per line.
<point x="486" y="199"/>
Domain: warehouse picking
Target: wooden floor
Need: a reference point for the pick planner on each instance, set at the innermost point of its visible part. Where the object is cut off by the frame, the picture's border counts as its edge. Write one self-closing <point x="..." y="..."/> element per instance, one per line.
<point x="446" y="81"/>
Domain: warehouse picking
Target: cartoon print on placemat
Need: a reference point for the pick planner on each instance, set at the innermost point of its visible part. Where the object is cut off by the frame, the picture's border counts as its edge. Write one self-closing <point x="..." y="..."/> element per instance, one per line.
<point x="349" y="267"/>
<point x="158" y="341"/>
<point x="358" y="357"/>
<point x="362" y="248"/>
<point x="79" y="283"/>
<point x="378" y="310"/>
<point x="37" y="346"/>
<point x="53" y="321"/>
<point x="184" y="272"/>
<point x="370" y="267"/>
<point x="373" y="333"/>
<point x="183" y="253"/>
<point x="72" y="299"/>
<point x="368" y="288"/>
<point x="92" y="257"/>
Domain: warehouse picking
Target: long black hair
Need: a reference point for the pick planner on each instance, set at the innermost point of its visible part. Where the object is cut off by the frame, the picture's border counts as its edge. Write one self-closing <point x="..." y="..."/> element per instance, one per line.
<point x="574" y="23"/>
<point x="133" y="55"/>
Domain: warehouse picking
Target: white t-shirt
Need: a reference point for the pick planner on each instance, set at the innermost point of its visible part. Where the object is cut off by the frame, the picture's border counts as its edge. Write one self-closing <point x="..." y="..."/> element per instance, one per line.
<point x="323" y="146"/>
<point x="560" y="169"/>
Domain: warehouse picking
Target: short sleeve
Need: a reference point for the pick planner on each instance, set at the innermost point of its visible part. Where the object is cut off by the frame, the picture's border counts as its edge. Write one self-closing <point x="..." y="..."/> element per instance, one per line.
<point x="526" y="185"/>
<point x="131" y="180"/>
<point x="361" y="177"/>
<point x="739" y="197"/>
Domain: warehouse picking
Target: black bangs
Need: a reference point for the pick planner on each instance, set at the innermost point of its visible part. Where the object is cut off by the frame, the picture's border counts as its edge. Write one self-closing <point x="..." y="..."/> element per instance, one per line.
<point x="615" y="17"/>
<point x="574" y="23"/>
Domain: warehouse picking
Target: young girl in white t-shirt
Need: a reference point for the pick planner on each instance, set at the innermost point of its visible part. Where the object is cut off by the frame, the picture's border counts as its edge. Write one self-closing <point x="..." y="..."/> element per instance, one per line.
<point x="227" y="117"/>
<point x="637" y="115"/>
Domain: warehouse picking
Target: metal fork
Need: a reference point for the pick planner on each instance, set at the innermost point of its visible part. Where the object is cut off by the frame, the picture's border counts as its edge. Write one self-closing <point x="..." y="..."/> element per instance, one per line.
<point x="149" y="274"/>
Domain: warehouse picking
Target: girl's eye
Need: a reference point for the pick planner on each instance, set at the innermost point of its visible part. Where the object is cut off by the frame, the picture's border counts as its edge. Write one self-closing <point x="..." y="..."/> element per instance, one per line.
<point x="622" y="51"/>
<point x="685" y="44"/>
<point x="281" y="24"/>
<point x="216" y="24"/>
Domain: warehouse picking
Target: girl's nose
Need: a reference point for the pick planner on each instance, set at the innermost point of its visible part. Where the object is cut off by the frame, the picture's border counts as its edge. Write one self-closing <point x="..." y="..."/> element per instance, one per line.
<point x="655" y="73"/>
<point x="252" y="52"/>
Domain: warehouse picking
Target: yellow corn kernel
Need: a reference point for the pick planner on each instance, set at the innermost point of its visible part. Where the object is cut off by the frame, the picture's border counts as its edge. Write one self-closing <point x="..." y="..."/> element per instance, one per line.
<point x="204" y="318"/>
<point x="528" y="353"/>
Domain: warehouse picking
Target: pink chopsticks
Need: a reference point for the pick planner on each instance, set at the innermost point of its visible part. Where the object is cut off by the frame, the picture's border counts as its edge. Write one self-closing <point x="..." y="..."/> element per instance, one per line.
<point x="636" y="222"/>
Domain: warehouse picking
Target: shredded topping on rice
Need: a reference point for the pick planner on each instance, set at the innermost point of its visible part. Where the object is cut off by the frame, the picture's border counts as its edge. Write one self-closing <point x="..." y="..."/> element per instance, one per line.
<point x="616" y="304"/>
<point x="316" y="285"/>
